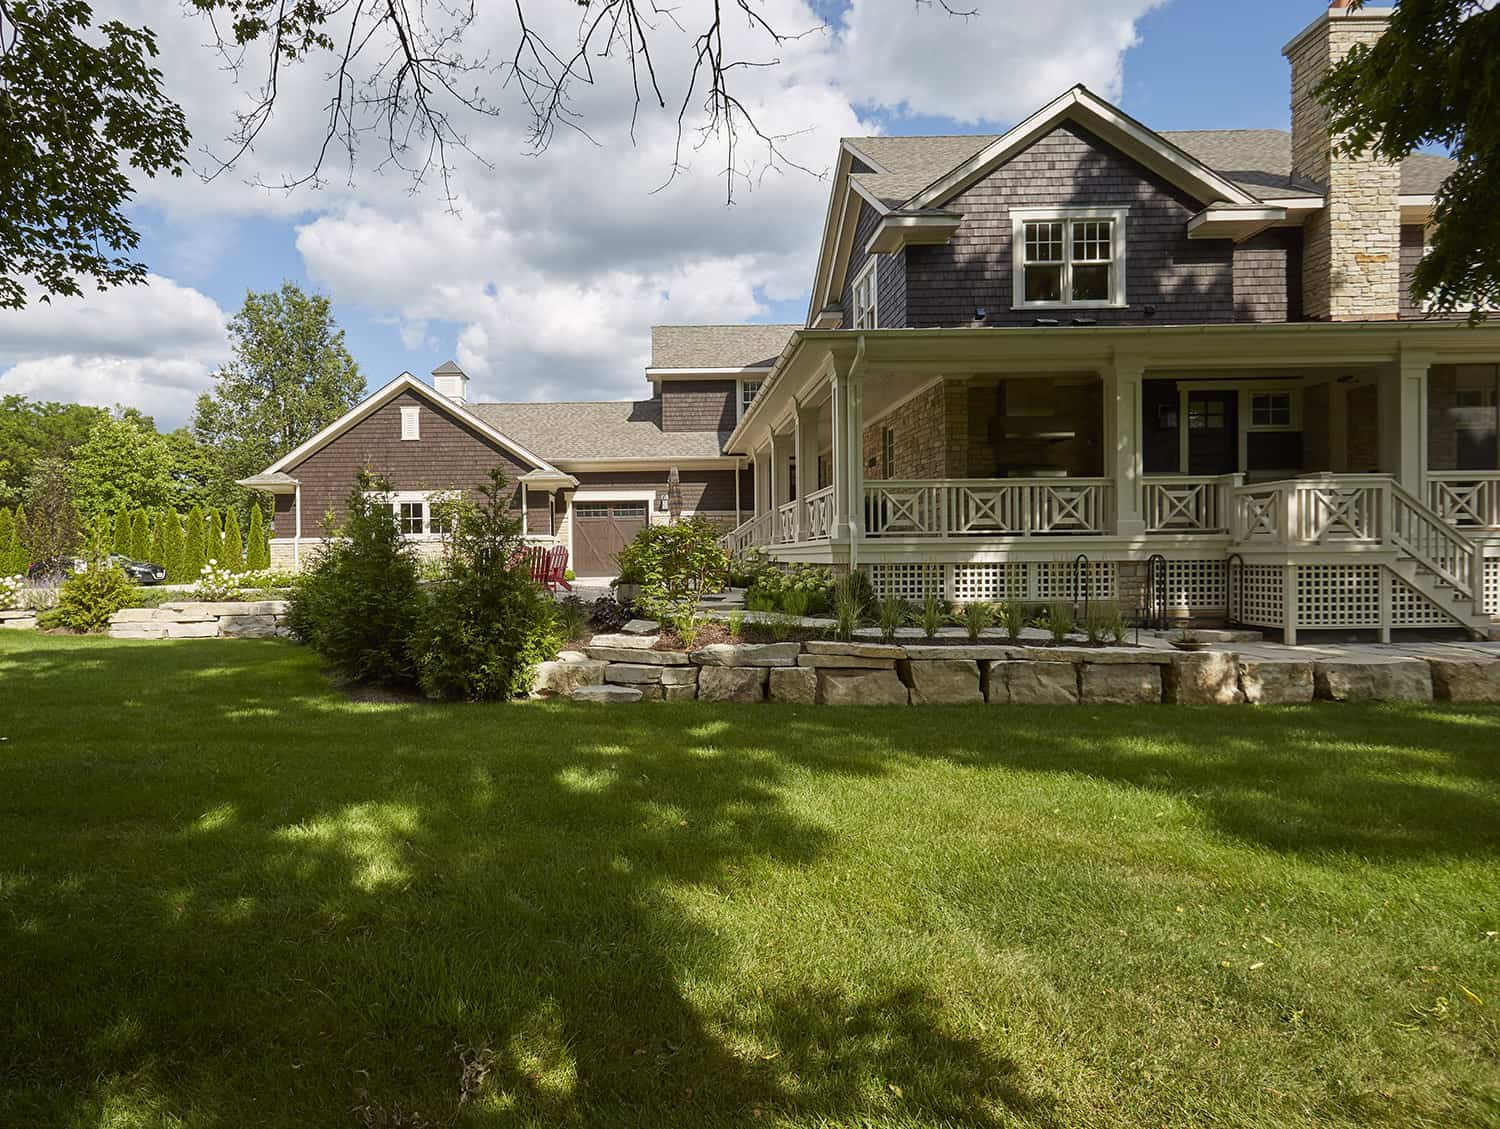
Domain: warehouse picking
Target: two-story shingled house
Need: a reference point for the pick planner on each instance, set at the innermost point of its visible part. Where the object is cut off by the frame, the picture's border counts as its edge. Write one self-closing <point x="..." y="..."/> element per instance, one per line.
<point x="1174" y="366"/>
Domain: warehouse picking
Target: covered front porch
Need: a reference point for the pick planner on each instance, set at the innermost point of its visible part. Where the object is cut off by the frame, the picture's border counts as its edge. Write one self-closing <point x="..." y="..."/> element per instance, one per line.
<point x="968" y="458"/>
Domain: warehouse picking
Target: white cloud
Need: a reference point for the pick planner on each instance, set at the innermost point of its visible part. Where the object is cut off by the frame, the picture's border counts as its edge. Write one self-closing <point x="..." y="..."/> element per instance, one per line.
<point x="557" y="264"/>
<point x="153" y="347"/>
<point x="994" y="67"/>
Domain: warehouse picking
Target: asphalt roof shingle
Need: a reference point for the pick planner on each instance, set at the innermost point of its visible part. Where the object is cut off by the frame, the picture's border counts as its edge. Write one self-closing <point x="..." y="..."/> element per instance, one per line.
<point x="717" y="346"/>
<point x="601" y="429"/>
<point x="1257" y="160"/>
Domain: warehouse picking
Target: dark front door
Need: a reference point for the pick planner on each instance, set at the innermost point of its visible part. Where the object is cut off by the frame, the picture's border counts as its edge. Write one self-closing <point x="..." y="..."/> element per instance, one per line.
<point x="600" y="531"/>
<point x="1213" y="432"/>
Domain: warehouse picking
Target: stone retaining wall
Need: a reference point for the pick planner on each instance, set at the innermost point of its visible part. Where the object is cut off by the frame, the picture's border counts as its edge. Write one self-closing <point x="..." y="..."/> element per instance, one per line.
<point x="626" y="668"/>
<point x="239" y="619"/>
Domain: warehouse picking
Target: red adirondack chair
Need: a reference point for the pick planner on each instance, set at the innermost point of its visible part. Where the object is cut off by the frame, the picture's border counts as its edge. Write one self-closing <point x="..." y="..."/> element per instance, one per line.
<point x="548" y="566"/>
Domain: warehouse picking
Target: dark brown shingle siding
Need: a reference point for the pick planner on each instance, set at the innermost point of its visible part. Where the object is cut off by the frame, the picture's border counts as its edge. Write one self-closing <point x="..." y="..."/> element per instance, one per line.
<point x="1268" y="276"/>
<point x="697" y="405"/>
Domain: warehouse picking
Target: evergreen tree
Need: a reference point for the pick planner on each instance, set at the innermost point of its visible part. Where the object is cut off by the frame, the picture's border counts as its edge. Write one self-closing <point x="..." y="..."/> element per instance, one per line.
<point x="158" y="531"/>
<point x="213" y="536"/>
<point x="120" y="543"/>
<point x="10" y="548"/>
<point x="257" y="551"/>
<point x="22" y="553"/>
<point x="234" y="547"/>
<point x="140" y="536"/>
<point x="171" y="546"/>
<point x="194" y="556"/>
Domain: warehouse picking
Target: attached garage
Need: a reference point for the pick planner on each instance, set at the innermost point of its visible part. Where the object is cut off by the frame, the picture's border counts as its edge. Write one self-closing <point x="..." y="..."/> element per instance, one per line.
<point x="601" y="529"/>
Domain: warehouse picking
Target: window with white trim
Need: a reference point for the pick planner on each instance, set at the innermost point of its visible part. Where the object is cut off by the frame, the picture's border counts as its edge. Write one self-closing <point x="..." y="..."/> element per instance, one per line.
<point x="1068" y="256"/>
<point x="748" y="389"/>
<point x="866" y="293"/>
<point x="411" y="423"/>
<point x="417" y="514"/>
<point x="1272" y="411"/>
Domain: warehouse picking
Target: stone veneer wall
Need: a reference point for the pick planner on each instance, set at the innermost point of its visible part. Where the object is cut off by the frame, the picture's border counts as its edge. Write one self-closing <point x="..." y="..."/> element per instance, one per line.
<point x="921" y="427"/>
<point x="187" y="619"/>
<point x="1351" y="250"/>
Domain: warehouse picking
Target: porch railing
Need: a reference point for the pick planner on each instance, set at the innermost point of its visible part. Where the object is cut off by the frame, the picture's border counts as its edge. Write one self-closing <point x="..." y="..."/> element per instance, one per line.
<point x="786" y="523"/>
<point x="1179" y="504"/>
<point x="987" y="507"/>
<point x="817" y="514"/>
<point x="748" y="534"/>
<point x="1469" y="499"/>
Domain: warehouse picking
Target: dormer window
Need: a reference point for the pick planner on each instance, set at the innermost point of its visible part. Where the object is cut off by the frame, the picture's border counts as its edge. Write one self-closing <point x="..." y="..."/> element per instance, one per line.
<point x="748" y="389"/>
<point x="1068" y="256"/>
<point x="865" y="294"/>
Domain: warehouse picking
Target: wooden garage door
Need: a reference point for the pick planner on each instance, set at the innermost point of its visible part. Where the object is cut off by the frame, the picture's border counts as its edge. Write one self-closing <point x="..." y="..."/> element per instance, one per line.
<point x="601" y="530"/>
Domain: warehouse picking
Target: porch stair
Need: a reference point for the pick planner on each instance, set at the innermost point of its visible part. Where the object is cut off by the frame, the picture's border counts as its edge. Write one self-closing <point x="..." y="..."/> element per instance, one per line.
<point x="1443" y="595"/>
<point x="1438" y="561"/>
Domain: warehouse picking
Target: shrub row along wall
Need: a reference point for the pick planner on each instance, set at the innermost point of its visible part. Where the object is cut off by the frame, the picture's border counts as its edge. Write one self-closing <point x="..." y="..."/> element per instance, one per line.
<point x="624" y="668"/>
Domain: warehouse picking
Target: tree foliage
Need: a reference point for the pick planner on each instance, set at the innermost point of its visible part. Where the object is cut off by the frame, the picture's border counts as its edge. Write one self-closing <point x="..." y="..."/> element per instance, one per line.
<point x="172" y="558"/>
<point x="52" y="526"/>
<point x="1434" y="78"/>
<point x="194" y="550"/>
<point x="140" y="537"/>
<point x="290" y="377"/>
<point x="31" y="430"/>
<point x="123" y="464"/>
<point x="232" y="556"/>
<point x="257" y="548"/>
<point x="79" y="106"/>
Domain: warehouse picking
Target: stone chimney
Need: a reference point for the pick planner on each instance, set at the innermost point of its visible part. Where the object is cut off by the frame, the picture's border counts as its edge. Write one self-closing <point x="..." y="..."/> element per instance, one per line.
<point x="1351" y="249"/>
<point x="451" y="381"/>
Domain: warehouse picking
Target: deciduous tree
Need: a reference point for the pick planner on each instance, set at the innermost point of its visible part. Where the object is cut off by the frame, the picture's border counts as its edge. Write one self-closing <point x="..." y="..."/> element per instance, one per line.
<point x="124" y="463"/>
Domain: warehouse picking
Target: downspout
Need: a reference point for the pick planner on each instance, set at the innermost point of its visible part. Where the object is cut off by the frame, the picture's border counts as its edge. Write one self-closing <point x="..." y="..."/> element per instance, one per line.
<point x="523" y="509"/>
<point x="297" y="529"/>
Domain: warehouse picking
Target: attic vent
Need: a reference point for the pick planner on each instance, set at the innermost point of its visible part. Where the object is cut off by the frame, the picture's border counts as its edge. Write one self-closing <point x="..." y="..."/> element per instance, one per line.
<point x="411" y="423"/>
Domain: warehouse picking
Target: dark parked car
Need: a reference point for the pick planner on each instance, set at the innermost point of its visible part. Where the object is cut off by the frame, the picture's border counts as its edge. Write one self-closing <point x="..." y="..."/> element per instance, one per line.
<point x="142" y="572"/>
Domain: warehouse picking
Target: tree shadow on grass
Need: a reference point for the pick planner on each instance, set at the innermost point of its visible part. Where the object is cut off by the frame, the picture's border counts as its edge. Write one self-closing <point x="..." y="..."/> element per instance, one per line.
<point x="228" y="897"/>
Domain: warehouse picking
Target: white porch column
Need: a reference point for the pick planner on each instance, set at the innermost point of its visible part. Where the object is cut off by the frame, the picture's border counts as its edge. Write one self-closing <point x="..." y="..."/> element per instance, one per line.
<point x="1403" y="422"/>
<point x="1122" y="442"/>
<point x="805" y="445"/>
<point x="776" y="481"/>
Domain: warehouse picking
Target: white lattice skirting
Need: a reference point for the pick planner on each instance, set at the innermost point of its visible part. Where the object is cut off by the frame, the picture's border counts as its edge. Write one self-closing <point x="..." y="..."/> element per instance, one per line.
<point x="966" y="583"/>
<point x="1333" y="596"/>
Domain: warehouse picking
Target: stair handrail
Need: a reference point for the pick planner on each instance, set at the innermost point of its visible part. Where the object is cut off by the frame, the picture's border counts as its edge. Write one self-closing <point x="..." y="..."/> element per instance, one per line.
<point x="1414" y="525"/>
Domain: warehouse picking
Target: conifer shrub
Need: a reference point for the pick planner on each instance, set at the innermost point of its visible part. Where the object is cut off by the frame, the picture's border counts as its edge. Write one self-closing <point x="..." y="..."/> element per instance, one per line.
<point x="489" y="623"/>
<point x="233" y="555"/>
<point x="171" y="546"/>
<point x="20" y="549"/>
<point x="90" y="597"/>
<point x="194" y="548"/>
<point x="213" y="535"/>
<point x="120" y="543"/>
<point x="257" y="548"/>
<point x="140" y="537"/>
<point x="358" y="601"/>
<point x="9" y="546"/>
<point x="158" y="530"/>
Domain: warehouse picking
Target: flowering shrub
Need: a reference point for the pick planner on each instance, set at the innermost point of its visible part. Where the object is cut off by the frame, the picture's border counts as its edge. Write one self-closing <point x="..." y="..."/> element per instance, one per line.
<point x="215" y="583"/>
<point x="10" y="591"/>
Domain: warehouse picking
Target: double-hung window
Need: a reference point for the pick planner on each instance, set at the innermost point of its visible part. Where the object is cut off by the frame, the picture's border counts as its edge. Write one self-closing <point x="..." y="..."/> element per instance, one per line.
<point x="1068" y="256"/>
<point x="1271" y="410"/>
<point x="865" y="314"/>
<point x="417" y="514"/>
<point x="748" y="389"/>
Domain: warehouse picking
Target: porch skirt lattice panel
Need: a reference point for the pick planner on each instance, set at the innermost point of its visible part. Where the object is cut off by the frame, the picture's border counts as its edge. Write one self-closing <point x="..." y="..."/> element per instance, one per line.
<point x="1262" y="601"/>
<point x="1492" y="586"/>
<point x="1033" y="582"/>
<point x="1409" y="608"/>
<point x="1196" y="586"/>
<point x="1333" y="595"/>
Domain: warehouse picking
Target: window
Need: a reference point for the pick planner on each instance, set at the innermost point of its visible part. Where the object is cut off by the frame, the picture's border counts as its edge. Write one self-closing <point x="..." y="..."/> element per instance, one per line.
<point x="748" y="389"/>
<point x="1271" y="410"/>
<point x="412" y="518"/>
<point x="1068" y="256"/>
<point x="411" y="423"/>
<point x="1206" y="415"/>
<point x="1474" y="398"/>
<point x="887" y="452"/>
<point x="865" y="288"/>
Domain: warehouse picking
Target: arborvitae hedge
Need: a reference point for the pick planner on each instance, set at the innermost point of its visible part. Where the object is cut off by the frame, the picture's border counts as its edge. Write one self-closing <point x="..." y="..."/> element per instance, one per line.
<point x="120" y="543"/>
<point x="10" y="546"/>
<point x="158" y="530"/>
<point x="213" y="536"/>
<point x="172" y="547"/>
<point x="234" y="546"/>
<point x="140" y="537"/>
<point x="194" y="555"/>
<point x="257" y="550"/>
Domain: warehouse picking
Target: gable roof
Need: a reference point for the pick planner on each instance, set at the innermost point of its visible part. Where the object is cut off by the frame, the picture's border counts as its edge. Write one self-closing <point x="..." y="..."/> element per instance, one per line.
<point x="706" y="347"/>
<point x="406" y="382"/>
<point x="1259" y="161"/>
<point x="607" y="429"/>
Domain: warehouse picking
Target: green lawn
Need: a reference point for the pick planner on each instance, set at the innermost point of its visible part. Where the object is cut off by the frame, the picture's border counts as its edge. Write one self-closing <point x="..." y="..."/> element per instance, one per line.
<point x="231" y="897"/>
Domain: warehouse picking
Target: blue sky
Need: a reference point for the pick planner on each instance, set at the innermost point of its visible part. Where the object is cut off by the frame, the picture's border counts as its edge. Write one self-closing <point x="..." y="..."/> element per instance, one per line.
<point x="547" y="285"/>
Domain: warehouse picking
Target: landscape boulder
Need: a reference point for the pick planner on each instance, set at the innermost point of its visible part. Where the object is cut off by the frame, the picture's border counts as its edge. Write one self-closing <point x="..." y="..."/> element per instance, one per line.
<point x="732" y="683"/>
<point x="1463" y="680"/>
<point x="1207" y="678"/>
<point x="1276" y="682"/>
<point x="1398" y="680"/>
<point x="1120" y="684"/>
<point x="945" y="682"/>
<point x="562" y="678"/>
<point x="747" y="654"/>
<point x="861" y="688"/>
<point x="794" y="684"/>
<point x="1027" y="683"/>
<point x="607" y="693"/>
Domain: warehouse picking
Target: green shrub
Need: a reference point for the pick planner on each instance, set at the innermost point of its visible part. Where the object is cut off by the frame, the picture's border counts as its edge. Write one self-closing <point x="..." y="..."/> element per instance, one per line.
<point x="213" y="536"/>
<point x="1096" y="621"/>
<point x="90" y="597"/>
<point x="358" y="602"/>
<point x="158" y="531"/>
<point x="140" y="536"/>
<point x="257" y="548"/>
<point x="11" y="554"/>
<point x="674" y="564"/>
<point x="757" y="600"/>
<point x="1058" y="618"/>
<point x="234" y="548"/>
<point x="977" y="616"/>
<point x="489" y="624"/>
<point x="572" y="619"/>
<point x="796" y="602"/>
<point x="848" y="609"/>
<point x="893" y="615"/>
<point x="1012" y="617"/>
<point x="736" y="622"/>
<point x="194" y="549"/>
<point x="120" y="542"/>
<point x="172" y="549"/>
<point x="933" y="614"/>
<point x="746" y="566"/>
<point x="773" y="585"/>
